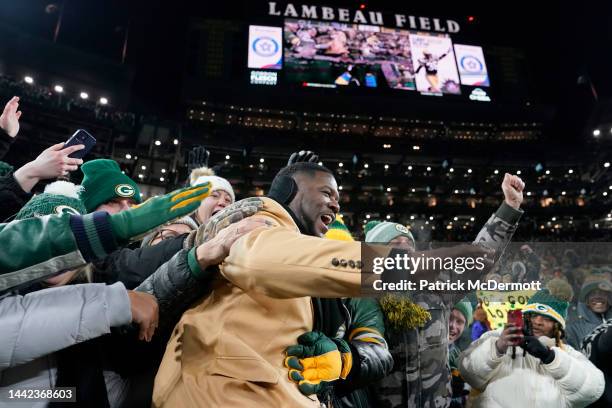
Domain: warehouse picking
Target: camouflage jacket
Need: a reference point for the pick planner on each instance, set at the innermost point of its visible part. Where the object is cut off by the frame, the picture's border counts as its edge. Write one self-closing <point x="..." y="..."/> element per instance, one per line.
<point x="421" y="376"/>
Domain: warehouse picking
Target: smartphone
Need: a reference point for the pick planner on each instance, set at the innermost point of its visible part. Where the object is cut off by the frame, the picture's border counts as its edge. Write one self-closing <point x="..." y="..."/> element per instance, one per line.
<point x="80" y="137"/>
<point x="516" y="317"/>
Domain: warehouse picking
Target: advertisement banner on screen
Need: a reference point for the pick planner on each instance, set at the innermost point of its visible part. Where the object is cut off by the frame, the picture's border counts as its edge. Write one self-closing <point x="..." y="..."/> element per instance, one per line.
<point x="471" y="63"/>
<point x="434" y="64"/>
<point x="265" y="47"/>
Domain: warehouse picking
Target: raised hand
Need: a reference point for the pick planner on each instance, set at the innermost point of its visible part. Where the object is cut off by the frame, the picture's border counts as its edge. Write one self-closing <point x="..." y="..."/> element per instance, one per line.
<point x="513" y="187"/>
<point x="9" y="120"/>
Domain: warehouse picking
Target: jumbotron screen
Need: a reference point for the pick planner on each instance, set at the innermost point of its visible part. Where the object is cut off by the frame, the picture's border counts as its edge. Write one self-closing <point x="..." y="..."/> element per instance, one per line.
<point x="328" y="54"/>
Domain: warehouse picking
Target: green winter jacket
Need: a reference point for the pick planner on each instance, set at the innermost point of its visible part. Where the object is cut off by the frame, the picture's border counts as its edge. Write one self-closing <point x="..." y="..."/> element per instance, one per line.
<point x="36" y="248"/>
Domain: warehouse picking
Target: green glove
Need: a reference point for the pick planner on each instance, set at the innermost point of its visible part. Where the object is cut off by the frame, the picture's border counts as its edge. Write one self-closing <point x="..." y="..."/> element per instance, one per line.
<point x="139" y="220"/>
<point x="317" y="361"/>
<point x="229" y="215"/>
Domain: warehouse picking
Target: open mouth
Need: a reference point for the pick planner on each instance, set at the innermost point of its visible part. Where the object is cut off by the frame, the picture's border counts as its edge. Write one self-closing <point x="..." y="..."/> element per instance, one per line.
<point x="327" y="219"/>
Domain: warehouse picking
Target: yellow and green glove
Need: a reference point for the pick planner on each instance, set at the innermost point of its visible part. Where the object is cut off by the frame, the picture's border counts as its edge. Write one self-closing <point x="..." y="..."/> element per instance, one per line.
<point x="317" y="361"/>
<point x="139" y="220"/>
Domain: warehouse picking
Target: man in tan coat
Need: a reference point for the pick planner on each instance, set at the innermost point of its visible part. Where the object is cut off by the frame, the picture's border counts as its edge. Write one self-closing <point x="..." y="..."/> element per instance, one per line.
<point x="228" y="349"/>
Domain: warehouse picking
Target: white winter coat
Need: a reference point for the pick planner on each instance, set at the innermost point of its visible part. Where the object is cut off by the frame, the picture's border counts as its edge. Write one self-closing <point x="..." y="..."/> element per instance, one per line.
<point x="570" y="380"/>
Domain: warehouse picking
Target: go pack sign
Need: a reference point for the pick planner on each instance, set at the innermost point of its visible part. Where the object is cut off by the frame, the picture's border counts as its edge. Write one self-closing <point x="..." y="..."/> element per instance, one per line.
<point x="497" y="304"/>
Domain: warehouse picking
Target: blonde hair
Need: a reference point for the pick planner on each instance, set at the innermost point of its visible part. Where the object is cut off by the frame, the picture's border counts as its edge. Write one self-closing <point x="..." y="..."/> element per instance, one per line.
<point x="200" y="172"/>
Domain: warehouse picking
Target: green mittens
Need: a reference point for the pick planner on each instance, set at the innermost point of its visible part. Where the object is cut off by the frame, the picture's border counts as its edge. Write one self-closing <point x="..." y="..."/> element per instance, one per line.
<point x="156" y="211"/>
<point x="317" y="360"/>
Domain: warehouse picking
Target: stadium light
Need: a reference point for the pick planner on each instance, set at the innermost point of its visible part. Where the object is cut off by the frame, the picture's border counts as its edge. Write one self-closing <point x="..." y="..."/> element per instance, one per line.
<point x="340" y="164"/>
<point x="570" y="171"/>
<point x="386" y="167"/>
<point x="227" y="157"/>
<point x="103" y="101"/>
<point x="470" y="171"/>
<point x="496" y="171"/>
<point x="518" y="172"/>
<point x="365" y="166"/>
<point x="163" y="171"/>
<point x="451" y="170"/>
<point x="140" y="176"/>
<point x="157" y="143"/>
<point x="340" y="188"/>
<point x="416" y="147"/>
<point x="143" y="167"/>
<point x="428" y="168"/>
<point x="262" y="160"/>
<point x="28" y="80"/>
<point x="161" y="179"/>
<point x="547" y="171"/>
<point x="175" y="141"/>
<point x="320" y="163"/>
<point x="596" y="132"/>
<point x="58" y="88"/>
<point x="607" y="164"/>
<point x="84" y="95"/>
<point x="368" y="216"/>
<point x="388" y="217"/>
<point x="128" y="156"/>
<point x="409" y="167"/>
<point x="563" y="193"/>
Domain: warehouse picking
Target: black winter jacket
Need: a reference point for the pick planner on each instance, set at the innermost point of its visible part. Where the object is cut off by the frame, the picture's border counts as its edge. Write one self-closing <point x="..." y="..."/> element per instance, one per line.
<point x="12" y="196"/>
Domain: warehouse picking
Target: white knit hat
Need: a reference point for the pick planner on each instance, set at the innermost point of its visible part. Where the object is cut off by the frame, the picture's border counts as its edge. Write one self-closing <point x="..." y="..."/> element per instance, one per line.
<point x="203" y="175"/>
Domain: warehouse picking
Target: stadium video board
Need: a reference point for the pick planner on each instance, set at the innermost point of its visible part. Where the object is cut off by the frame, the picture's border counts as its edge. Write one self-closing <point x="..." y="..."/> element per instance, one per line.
<point x="328" y="54"/>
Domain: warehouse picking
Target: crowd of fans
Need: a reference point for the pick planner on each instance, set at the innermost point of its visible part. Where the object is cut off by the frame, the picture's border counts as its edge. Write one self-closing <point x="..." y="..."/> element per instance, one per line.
<point x="45" y="96"/>
<point x="196" y="299"/>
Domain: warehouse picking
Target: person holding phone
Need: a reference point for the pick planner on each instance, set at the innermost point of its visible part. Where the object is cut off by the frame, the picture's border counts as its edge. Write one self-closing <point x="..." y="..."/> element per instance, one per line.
<point x="16" y="187"/>
<point x="546" y="371"/>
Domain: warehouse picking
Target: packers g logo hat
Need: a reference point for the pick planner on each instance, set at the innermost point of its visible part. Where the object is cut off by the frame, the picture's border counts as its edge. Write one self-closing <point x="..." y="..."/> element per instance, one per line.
<point x="124" y="190"/>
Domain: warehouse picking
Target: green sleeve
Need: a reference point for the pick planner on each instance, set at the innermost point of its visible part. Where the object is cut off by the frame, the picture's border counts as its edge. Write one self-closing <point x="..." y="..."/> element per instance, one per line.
<point x="365" y="313"/>
<point x="35" y="240"/>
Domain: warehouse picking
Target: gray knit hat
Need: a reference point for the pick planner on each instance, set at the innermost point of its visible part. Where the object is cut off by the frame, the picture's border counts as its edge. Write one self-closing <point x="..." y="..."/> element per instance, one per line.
<point x="384" y="232"/>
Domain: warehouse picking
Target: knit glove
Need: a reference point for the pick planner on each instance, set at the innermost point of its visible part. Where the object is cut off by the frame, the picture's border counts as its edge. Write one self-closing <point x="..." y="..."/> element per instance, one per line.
<point x="317" y="361"/>
<point x="229" y="215"/>
<point x="534" y="347"/>
<point x="197" y="157"/>
<point x="139" y="220"/>
<point x="303" y="156"/>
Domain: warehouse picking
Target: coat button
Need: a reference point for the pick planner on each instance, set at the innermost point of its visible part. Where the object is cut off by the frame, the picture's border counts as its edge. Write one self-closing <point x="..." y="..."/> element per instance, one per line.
<point x="352" y="263"/>
<point x="335" y="262"/>
<point x="359" y="264"/>
<point x="343" y="263"/>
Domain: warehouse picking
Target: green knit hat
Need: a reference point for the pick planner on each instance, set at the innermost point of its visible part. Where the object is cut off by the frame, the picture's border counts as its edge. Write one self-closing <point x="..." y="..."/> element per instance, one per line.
<point x="338" y="231"/>
<point x="59" y="198"/>
<point x="103" y="181"/>
<point x="384" y="232"/>
<point x="5" y="168"/>
<point x="544" y="303"/>
<point x="465" y="307"/>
